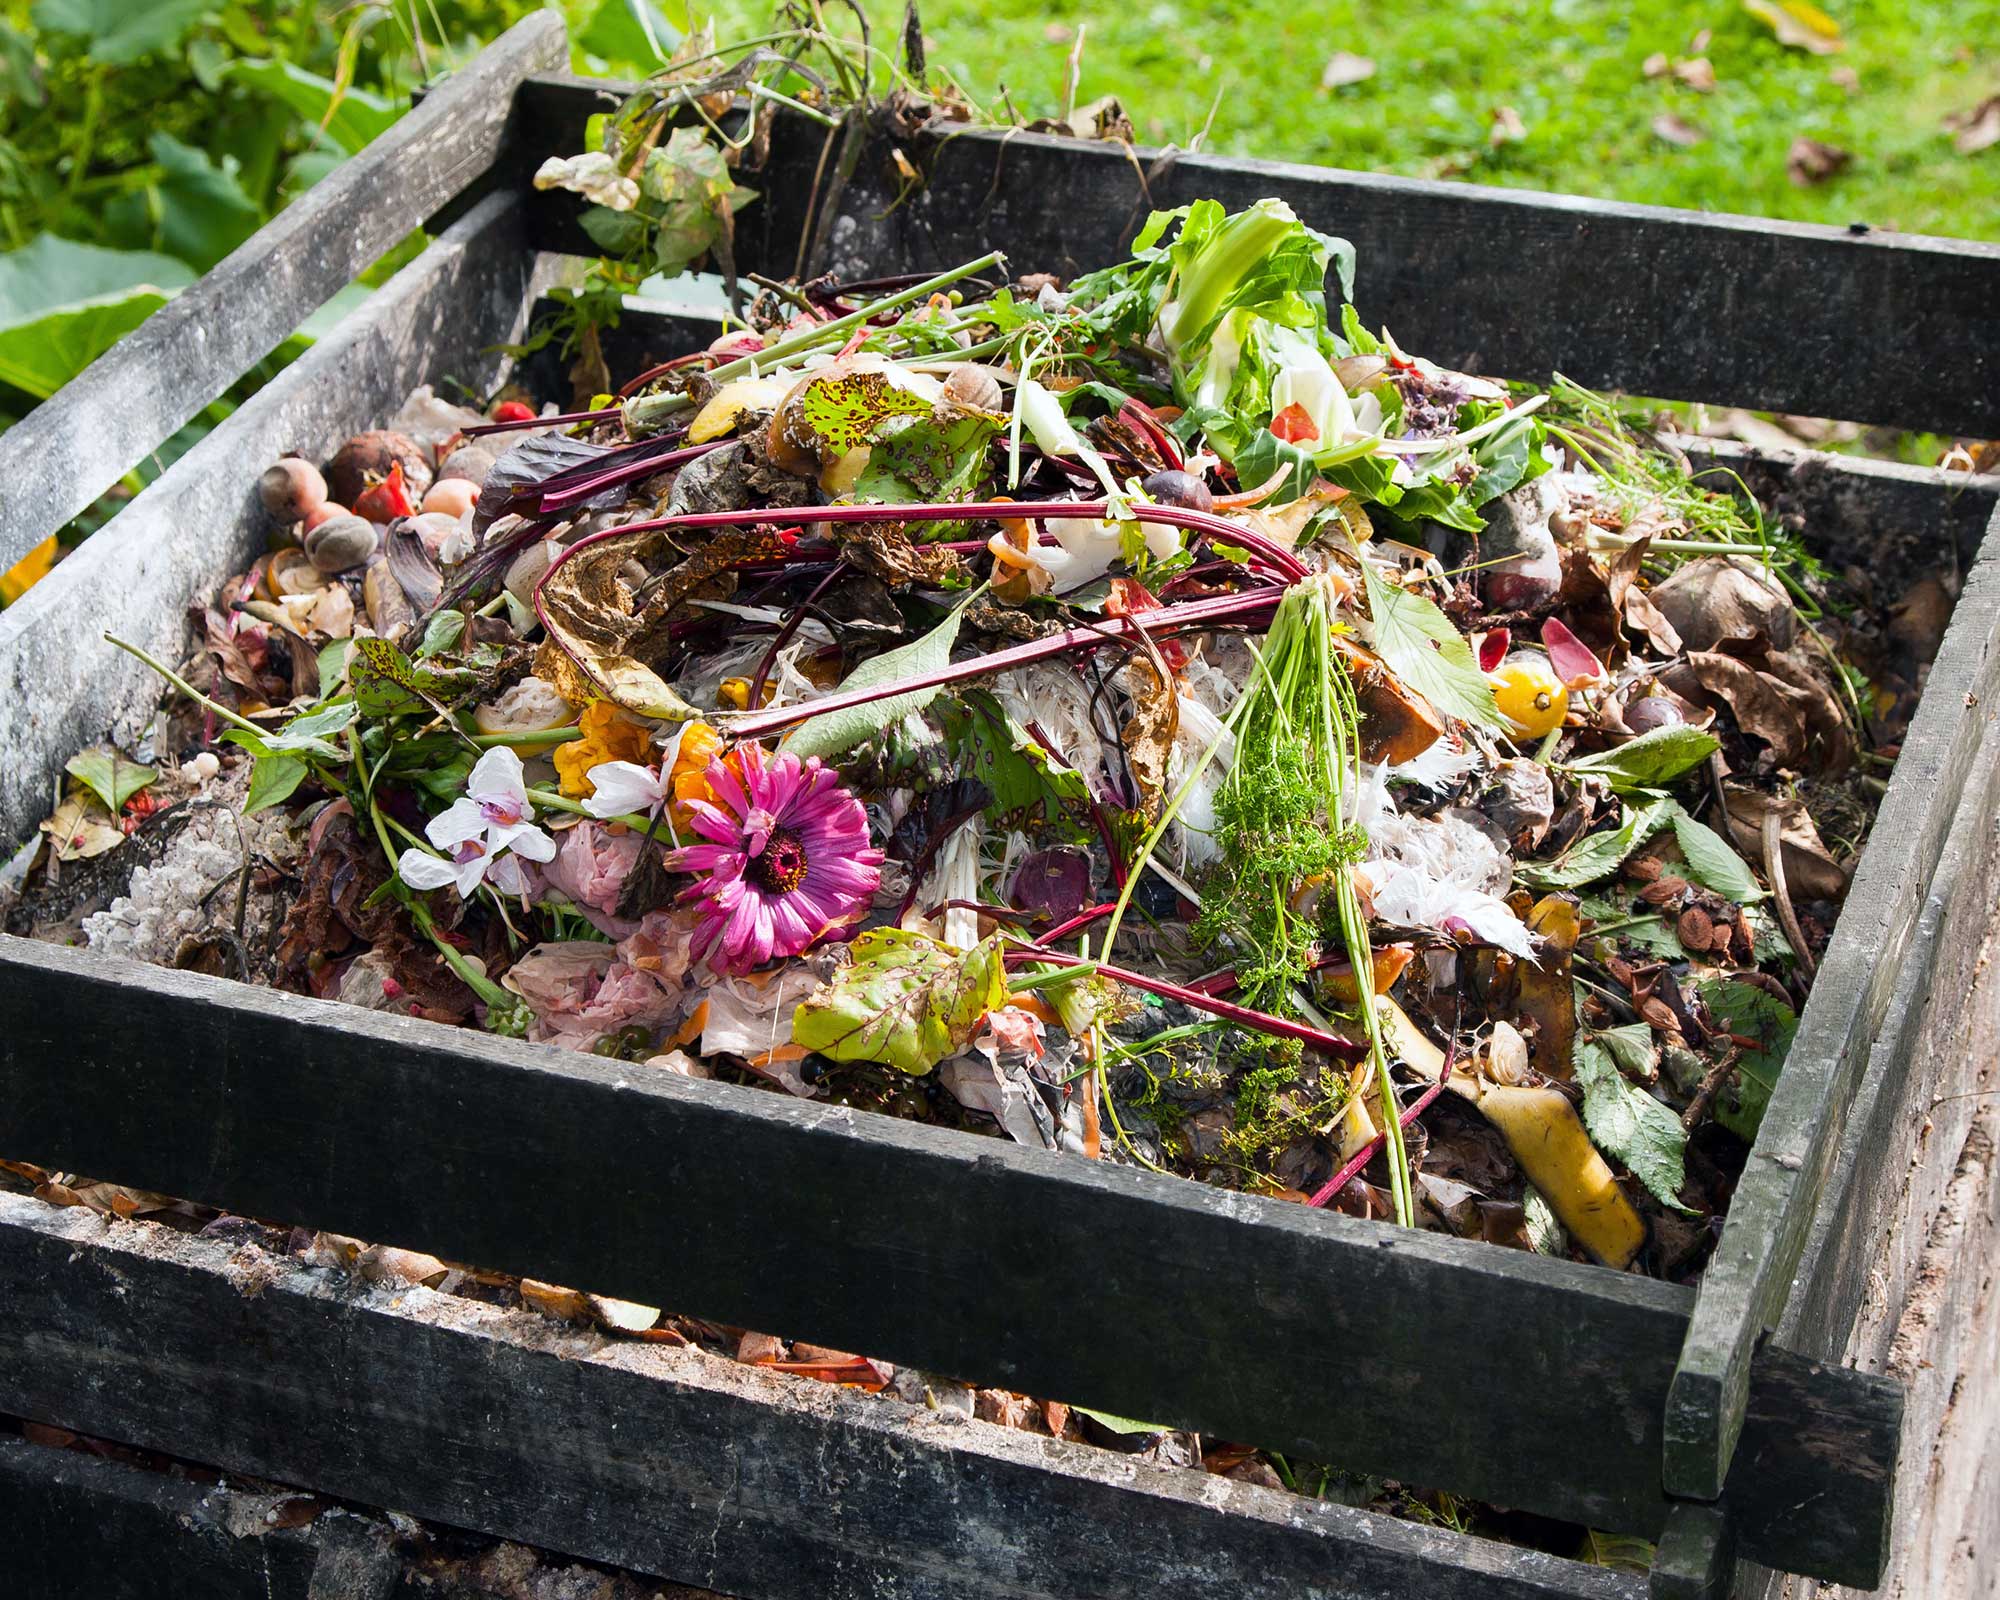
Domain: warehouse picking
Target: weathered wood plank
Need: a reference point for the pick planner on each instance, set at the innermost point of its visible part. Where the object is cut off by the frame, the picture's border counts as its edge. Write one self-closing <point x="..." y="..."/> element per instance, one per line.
<point x="664" y="1460"/>
<point x="78" y="1527"/>
<point x="69" y="450"/>
<point x="1745" y="1286"/>
<point x="61" y="686"/>
<point x="1694" y="1559"/>
<point x="1143" y="1295"/>
<point x="1734" y="310"/>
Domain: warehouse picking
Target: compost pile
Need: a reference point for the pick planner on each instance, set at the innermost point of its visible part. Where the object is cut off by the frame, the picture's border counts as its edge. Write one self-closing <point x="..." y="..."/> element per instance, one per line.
<point x="1151" y="717"/>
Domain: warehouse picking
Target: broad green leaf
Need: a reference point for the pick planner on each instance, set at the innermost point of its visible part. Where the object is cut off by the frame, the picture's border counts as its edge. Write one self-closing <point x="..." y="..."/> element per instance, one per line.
<point x="1427" y="653"/>
<point x="195" y="209"/>
<point x="120" y="32"/>
<point x="441" y="633"/>
<point x="847" y="412"/>
<point x="632" y="33"/>
<point x="838" y="731"/>
<point x="113" y="778"/>
<point x="1598" y="855"/>
<point x="1626" y="1122"/>
<point x="1030" y="791"/>
<point x="63" y="304"/>
<point x="908" y="1001"/>
<point x="356" y="115"/>
<point x="1117" y="1424"/>
<point x="928" y="460"/>
<point x="1632" y="1047"/>
<point x="616" y="233"/>
<point x="273" y="778"/>
<point x="1651" y="759"/>
<point x="1744" y="1008"/>
<point x="1712" y="860"/>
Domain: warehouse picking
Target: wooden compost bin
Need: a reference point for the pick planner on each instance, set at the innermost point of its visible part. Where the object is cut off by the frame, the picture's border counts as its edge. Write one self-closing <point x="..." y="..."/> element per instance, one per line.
<point x="1820" y="1406"/>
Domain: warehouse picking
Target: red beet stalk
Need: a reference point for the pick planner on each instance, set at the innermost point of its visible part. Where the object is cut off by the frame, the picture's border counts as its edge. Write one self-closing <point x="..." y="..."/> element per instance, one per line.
<point x="1258" y="1021"/>
<point x="1366" y="1153"/>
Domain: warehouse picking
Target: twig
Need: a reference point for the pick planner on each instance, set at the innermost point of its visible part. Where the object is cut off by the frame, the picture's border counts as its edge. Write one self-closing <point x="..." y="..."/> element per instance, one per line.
<point x="1774" y="870"/>
<point x="1711" y="1085"/>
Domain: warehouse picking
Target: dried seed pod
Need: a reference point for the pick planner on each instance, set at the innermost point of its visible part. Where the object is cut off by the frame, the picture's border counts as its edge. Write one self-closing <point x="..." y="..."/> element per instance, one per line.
<point x="1695" y="928"/>
<point x="342" y="543"/>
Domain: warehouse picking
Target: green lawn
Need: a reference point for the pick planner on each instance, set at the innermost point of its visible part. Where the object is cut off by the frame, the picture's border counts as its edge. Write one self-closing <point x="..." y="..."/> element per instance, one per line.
<point x="1571" y="70"/>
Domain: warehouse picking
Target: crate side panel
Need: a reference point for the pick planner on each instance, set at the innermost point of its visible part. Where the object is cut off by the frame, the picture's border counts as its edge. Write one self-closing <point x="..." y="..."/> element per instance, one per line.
<point x="71" y="449"/>
<point x="61" y="685"/>
<point x="1749" y="1278"/>
<point x="666" y="1460"/>
<point x="1733" y="310"/>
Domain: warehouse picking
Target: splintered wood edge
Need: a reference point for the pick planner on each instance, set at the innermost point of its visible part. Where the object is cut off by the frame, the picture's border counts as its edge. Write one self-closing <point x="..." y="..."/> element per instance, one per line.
<point x="671" y="1461"/>
<point x="1746" y="1283"/>
<point x="66" y="452"/>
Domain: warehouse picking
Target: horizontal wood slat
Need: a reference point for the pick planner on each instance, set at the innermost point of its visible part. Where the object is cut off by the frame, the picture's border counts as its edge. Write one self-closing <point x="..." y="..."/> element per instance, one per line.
<point x="1685" y="305"/>
<point x="1533" y="1382"/>
<point x="78" y="443"/>
<point x="669" y="1461"/>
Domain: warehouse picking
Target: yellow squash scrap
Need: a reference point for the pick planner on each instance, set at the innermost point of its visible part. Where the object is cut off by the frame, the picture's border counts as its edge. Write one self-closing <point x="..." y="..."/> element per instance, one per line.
<point x="1547" y="1139"/>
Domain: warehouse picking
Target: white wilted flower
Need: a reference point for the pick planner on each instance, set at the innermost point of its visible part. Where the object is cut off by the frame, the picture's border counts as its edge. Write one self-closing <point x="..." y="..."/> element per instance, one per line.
<point x="483" y="834"/>
<point x="594" y="175"/>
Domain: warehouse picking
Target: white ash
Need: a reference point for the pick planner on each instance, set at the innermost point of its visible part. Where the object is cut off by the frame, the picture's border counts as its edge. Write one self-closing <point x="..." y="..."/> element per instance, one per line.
<point x="192" y="888"/>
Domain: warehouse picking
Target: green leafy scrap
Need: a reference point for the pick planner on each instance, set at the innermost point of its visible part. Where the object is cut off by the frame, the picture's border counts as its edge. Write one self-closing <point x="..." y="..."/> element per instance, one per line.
<point x="1753" y="1013"/>
<point x="930" y="460"/>
<point x="839" y="731"/>
<point x="1650" y="760"/>
<point x="1627" y="1123"/>
<point x="850" y="411"/>
<point x="1422" y="648"/>
<point x="1713" y="861"/>
<point x="113" y="778"/>
<point x="908" y="1001"/>
<point x="1030" y="790"/>
<point x="1598" y="855"/>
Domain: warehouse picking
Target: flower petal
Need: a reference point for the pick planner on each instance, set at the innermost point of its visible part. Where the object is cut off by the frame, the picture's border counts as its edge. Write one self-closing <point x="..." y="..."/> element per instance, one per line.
<point x="623" y="786"/>
<point x="460" y="821"/>
<point x="498" y="777"/>
<point x="422" y="870"/>
<point x="524" y="839"/>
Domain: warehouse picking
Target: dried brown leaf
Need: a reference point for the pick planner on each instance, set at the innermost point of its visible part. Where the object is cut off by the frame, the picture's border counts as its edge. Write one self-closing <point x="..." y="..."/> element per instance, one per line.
<point x="1813" y="161"/>
<point x="1811" y="873"/>
<point x="1975" y="130"/>
<point x="1677" y="130"/>
<point x="1698" y="73"/>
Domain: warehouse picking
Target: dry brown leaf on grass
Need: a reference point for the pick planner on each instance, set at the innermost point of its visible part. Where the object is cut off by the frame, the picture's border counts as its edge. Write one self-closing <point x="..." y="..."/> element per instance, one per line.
<point x="1811" y="161"/>
<point x="1677" y="130"/>
<point x="1799" y="24"/>
<point x="1698" y="73"/>
<point x="1975" y="130"/>
<point x="1508" y="128"/>
<point x="1342" y="68"/>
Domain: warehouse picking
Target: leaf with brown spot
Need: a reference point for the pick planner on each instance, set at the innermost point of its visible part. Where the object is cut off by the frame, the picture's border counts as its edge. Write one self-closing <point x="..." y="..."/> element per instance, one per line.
<point x="1148" y="735"/>
<point x="1813" y="161"/>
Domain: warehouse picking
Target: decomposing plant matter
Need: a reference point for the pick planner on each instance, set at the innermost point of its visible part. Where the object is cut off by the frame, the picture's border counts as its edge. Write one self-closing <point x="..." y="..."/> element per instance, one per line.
<point x="1155" y="718"/>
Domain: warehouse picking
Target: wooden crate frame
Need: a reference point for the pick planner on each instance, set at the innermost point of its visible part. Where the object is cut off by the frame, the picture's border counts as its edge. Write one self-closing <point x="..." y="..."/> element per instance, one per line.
<point x="1623" y="1403"/>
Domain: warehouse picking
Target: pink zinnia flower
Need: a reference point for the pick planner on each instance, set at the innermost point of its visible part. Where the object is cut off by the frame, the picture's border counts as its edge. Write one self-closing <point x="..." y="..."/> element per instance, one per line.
<point x="787" y="860"/>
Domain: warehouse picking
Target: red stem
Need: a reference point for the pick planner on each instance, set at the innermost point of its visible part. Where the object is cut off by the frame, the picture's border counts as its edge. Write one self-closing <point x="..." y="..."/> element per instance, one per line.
<point x="556" y="421"/>
<point x="663" y="369"/>
<point x="1111" y="630"/>
<point x="1366" y="1153"/>
<point x="626" y="472"/>
<point x="1259" y="1021"/>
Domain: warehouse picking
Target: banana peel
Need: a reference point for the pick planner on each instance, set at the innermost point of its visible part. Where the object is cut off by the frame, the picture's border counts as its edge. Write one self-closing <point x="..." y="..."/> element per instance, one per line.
<point x="1547" y="1139"/>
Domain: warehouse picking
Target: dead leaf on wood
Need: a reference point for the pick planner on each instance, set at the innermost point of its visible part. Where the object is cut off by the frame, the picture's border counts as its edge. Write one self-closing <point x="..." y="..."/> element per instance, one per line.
<point x="1799" y="24"/>
<point x="385" y="1264"/>
<point x="1811" y="873"/>
<point x="760" y="1349"/>
<point x="1677" y="130"/>
<point x="1342" y="68"/>
<point x="1812" y="161"/>
<point x="552" y="1300"/>
<point x="1975" y="130"/>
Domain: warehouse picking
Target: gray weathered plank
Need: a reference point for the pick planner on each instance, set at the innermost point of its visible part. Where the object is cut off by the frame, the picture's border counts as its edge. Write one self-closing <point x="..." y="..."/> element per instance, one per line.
<point x="1734" y="310"/>
<point x="1747" y="1281"/>
<point x="61" y="685"/>
<point x="665" y="1460"/>
<point x="1143" y="1295"/>
<point x="69" y="450"/>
